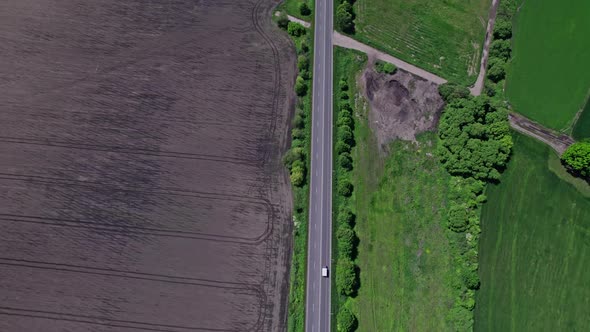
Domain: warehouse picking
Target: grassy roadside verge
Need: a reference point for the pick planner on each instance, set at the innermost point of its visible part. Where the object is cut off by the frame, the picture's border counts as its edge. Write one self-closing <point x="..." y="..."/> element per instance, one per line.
<point x="347" y="101"/>
<point x="293" y="8"/>
<point x="297" y="161"/>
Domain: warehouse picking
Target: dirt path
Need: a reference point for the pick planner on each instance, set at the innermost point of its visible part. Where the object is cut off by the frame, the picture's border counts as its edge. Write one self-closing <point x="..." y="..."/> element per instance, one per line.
<point x="347" y="42"/>
<point x="559" y="142"/>
<point x="478" y="86"/>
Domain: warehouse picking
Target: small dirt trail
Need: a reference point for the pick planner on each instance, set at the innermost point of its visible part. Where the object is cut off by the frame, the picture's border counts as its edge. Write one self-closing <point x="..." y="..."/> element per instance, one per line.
<point x="559" y="142"/>
<point x="478" y="86"/>
<point x="347" y="42"/>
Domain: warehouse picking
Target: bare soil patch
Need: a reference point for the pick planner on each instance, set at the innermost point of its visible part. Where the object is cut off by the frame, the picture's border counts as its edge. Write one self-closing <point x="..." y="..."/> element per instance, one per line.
<point x="402" y="105"/>
<point x="141" y="186"/>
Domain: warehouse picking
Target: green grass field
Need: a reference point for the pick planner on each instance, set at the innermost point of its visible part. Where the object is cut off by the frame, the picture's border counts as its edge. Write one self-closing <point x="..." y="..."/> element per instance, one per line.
<point x="534" y="249"/>
<point x="404" y="254"/>
<point x="582" y="127"/>
<point x="437" y="35"/>
<point x="548" y="78"/>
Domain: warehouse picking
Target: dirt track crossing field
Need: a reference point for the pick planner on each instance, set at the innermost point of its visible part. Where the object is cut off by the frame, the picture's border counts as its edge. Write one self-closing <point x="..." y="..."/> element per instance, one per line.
<point x="141" y="187"/>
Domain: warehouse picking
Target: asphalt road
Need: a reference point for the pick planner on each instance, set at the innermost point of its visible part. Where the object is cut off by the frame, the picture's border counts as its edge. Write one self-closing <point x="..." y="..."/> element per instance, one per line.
<point x="319" y="251"/>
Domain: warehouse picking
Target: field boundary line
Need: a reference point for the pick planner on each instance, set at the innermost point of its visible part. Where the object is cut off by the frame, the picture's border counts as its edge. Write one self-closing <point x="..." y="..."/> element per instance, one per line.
<point x="126" y="150"/>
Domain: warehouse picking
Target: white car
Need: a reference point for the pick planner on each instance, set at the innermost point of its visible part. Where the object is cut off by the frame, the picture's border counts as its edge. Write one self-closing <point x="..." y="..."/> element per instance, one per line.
<point x="325" y="271"/>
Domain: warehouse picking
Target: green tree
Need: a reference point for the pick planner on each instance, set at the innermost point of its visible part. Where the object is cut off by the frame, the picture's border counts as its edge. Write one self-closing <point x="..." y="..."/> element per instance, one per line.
<point x="470" y="278"/>
<point x="345" y="188"/>
<point x="345" y="121"/>
<point x="341" y="147"/>
<point x="283" y="21"/>
<point x="503" y="29"/>
<point x="475" y="138"/>
<point x="345" y="135"/>
<point x="457" y="218"/>
<point x="295" y="29"/>
<point x="452" y="91"/>
<point x="496" y="70"/>
<point x="343" y="85"/>
<point x="292" y="155"/>
<point x="298" y="121"/>
<point x="345" y="161"/>
<point x="304" y="9"/>
<point x="346" y="277"/>
<point x="500" y="49"/>
<point x="304" y="46"/>
<point x="347" y="321"/>
<point x="345" y="216"/>
<point x="347" y="241"/>
<point x="302" y="63"/>
<point x="344" y="18"/>
<point x="297" y="176"/>
<point x="576" y="159"/>
<point x="300" y="86"/>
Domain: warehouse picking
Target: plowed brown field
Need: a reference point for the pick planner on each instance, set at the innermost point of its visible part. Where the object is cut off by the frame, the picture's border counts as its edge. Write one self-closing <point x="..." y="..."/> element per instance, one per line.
<point x="141" y="186"/>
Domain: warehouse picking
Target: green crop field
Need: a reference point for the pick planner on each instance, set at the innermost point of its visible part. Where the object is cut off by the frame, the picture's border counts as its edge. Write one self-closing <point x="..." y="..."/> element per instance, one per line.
<point x="534" y="249"/>
<point x="442" y="36"/>
<point x="548" y="78"/>
<point x="404" y="254"/>
<point x="582" y="128"/>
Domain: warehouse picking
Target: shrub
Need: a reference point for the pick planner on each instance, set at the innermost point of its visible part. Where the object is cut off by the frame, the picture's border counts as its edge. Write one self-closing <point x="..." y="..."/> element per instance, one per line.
<point x="345" y="216"/>
<point x="302" y="63"/>
<point x="304" y="9"/>
<point x="344" y="18"/>
<point x="304" y="46"/>
<point x="345" y="121"/>
<point x="343" y="85"/>
<point x="297" y="143"/>
<point x="298" y="121"/>
<point x="500" y="49"/>
<point x="297" y="133"/>
<point x="345" y="106"/>
<point x="297" y="176"/>
<point x="576" y="159"/>
<point x="470" y="278"/>
<point x="292" y="155"/>
<point x="345" y="188"/>
<point x="452" y="91"/>
<point x="342" y="147"/>
<point x="300" y="86"/>
<point x="345" y="135"/>
<point x="496" y="70"/>
<point x="346" y="277"/>
<point x="346" y="241"/>
<point x="385" y="67"/>
<point x="283" y="21"/>
<point x="345" y="161"/>
<point x="503" y="29"/>
<point x="347" y="321"/>
<point x="295" y="29"/>
<point x="457" y="218"/>
<point x="344" y="95"/>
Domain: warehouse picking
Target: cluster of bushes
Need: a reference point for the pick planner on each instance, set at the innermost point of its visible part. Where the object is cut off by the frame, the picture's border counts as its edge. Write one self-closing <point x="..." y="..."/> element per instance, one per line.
<point x="385" y="67"/>
<point x="296" y="158"/>
<point x="500" y="49"/>
<point x="347" y="273"/>
<point x="474" y="146"/>
<point x="475" y="137"/>
<point x="297" y="161"/>
<point x="345" y="16"/>
<point x="576" y="160"/>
